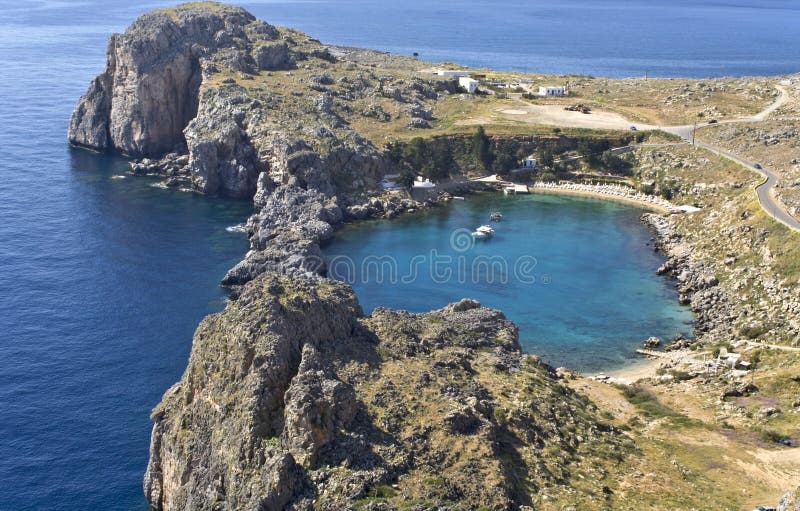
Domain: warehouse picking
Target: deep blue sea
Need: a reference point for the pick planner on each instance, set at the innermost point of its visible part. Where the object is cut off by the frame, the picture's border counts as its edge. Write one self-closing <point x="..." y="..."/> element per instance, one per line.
<point x="103" y="280"/>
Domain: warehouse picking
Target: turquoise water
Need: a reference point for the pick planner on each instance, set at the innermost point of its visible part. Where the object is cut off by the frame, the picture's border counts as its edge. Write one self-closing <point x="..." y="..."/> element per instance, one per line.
<point x="577" y="275"/>
<point x="103" y="281"/>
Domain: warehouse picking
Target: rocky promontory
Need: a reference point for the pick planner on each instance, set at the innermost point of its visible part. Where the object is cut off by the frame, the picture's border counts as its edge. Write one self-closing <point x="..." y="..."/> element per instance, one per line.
<point x="293" y="399"/>
<point x="205" y="94"/>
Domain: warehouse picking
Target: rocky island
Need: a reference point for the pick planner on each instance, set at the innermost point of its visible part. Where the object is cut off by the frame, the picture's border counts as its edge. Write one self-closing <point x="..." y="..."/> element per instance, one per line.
<point x="295" y="399"/>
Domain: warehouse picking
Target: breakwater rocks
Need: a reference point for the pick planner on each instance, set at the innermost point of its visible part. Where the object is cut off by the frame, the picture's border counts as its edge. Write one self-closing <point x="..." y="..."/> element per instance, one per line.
<point x="293" y="399"/>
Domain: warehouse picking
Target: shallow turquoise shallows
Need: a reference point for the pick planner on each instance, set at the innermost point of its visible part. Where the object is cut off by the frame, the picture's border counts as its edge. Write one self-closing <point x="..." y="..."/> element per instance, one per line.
<point x="576" y="274"/>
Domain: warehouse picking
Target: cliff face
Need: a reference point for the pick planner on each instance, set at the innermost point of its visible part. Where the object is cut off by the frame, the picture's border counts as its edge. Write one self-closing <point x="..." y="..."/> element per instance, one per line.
<point x="145" y="102"/>
<point x="293" y="399"/>
<point x="148" y="92"/>
<point x="218" y="101"/>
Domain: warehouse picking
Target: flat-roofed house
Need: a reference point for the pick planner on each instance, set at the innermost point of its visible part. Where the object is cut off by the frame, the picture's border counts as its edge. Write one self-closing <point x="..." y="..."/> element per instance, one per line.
<point x="469" y="84"/>
<point x="551" y="91"/>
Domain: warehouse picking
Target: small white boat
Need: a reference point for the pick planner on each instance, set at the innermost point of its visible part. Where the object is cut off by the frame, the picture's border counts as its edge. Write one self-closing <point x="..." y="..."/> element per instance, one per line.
<point x="480" y="235"/>
<point x="496" y="216"/>
<point x="485" y="228"/>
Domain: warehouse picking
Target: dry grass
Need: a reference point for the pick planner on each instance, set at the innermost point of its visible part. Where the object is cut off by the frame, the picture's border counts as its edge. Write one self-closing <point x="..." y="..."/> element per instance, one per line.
<point x="677" y="101"/>
<point x="774" y="144"/>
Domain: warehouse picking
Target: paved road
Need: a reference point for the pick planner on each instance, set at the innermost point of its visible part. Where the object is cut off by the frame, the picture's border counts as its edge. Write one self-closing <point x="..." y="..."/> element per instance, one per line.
<point x="555" y="115"/>
<point x="764" y="191"/>
<point x="773" y="346"/>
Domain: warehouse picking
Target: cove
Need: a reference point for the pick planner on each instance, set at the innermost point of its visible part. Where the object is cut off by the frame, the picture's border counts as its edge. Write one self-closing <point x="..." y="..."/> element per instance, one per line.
<point x="577" y="275"/>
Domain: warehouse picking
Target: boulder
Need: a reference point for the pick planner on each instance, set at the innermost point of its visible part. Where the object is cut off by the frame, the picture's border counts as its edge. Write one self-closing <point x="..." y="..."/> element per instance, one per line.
<point x="273" y="57"/>
<point x="149" y="90"/>
<point x="651" y="342"/>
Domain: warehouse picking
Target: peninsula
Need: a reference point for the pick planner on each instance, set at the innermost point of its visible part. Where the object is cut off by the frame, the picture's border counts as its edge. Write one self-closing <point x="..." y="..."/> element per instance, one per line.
<point x="293" y="398"/>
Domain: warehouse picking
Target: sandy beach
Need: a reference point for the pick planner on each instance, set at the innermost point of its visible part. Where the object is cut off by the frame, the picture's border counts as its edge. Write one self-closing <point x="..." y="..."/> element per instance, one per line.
<point x="599" y="195"/>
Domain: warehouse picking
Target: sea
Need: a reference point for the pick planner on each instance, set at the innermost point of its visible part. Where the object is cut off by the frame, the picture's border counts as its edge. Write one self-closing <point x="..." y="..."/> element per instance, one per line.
<point x="577" y="275"/>
<point x="104" y="277"/>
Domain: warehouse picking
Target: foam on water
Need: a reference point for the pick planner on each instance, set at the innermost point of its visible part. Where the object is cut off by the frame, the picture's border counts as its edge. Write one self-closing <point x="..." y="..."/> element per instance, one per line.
<point x="237" y="228"/>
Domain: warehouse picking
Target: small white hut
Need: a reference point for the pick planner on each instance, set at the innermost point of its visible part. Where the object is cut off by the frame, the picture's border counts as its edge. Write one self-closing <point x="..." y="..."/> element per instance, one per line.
<point x="469" y="84"/>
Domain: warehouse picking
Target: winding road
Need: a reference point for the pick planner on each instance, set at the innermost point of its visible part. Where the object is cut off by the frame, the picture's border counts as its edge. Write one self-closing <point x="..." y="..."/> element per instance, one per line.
<point x="764" y="191"/>
<point x="554" y="115"/>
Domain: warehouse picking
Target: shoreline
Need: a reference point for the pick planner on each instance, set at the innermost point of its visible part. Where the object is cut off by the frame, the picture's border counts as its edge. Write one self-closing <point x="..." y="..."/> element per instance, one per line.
<point x="648" y="366"/>
<point x="597" y="194"/>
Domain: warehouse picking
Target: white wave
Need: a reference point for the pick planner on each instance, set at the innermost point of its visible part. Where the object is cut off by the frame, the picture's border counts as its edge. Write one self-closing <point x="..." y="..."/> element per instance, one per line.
<point x="237" y="228"/>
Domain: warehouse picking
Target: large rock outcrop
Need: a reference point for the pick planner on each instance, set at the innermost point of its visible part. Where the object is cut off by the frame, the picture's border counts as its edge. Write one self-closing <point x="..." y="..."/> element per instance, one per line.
<point x="253" y="106"/>
<point x="148" y="92"/>
<point x="293" y="399"/>
<point x="147" y="102"/>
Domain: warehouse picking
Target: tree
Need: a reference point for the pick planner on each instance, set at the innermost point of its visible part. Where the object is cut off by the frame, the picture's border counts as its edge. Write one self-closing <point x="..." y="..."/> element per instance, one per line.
<point x="441" y="161"/>
<point x="482" y="148"/>
<point x="614" y="164"/>
<point x="415" y="154"/>
<point x="544" y="157"/>
<point x="394" y="152"/>
<point x="406" y="178"/>
<point x="505" y="157"/>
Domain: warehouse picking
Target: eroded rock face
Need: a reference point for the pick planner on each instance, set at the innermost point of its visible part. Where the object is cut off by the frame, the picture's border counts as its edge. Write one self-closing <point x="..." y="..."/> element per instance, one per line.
<point x="148" y="92"/>
<point x="252" y="106"/>
<point x="222" y="159"/>
<point x="697" y="284"/>
<point x="147" y="101"/>
<point x="217" y="434"/>
<point x="293" y="399"/>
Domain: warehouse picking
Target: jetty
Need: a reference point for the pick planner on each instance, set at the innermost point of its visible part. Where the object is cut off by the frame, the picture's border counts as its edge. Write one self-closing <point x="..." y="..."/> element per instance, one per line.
<point x="514" y="189"/>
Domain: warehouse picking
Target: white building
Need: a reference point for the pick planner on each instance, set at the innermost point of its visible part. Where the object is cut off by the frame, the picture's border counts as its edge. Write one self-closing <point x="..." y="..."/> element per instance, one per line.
<point x="468" y="83"/>
<point x="551" y="91"/>
<point x="423" y="183"/>
<point x="450" y="72"/>
<point x="527" y="164"/>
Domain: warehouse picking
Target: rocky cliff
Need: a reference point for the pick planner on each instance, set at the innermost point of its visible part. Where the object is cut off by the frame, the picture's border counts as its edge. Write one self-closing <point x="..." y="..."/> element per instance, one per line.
<point x="214" y="99"/>
<point x="293" y="399"/>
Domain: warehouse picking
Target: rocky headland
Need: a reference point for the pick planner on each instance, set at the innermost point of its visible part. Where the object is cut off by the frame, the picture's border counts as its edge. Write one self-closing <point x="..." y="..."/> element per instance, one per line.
<point x="293" y="398"/>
